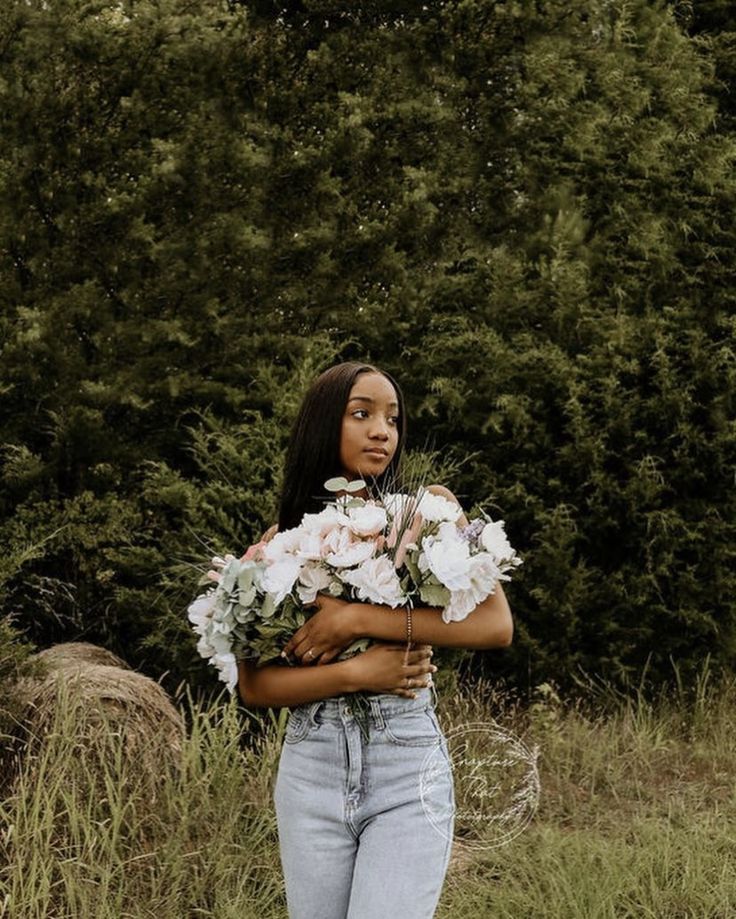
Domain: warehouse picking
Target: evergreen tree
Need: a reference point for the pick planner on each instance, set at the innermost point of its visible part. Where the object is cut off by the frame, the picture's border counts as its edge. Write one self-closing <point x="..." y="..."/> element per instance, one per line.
<point x="523" y="210"/>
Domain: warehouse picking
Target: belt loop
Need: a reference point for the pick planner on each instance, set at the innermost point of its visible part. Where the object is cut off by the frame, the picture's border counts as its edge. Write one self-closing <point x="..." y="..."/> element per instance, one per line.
<point x="313" y="709"/>
<point x="377" y="713"/>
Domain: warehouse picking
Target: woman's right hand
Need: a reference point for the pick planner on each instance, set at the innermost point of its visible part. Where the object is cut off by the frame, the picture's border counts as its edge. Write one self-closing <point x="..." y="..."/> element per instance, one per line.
<point x="382" y="669"/>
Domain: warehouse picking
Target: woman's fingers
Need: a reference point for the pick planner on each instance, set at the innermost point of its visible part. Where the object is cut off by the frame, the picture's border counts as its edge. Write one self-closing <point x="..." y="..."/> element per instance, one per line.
<point x="414" y="657"/>
<point x="306" y="652"/>
<point x="411" y="693"/>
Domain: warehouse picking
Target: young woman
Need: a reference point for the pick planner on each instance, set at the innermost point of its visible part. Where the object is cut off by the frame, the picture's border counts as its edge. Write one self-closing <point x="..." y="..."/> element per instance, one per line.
<point x="362" y="833"/>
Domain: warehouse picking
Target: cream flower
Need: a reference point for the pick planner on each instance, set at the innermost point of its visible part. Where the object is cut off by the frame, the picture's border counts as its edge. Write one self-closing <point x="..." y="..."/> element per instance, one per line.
<point x="368" y="520"/>
<point x="278" y="578"/>
<point x="310" y="547"/>
<point x="341" y="549"/>
<point x="312" y="579"/>
<point x="493" y="539"/>
<point x="199" y="612"/>
<point x="283" y="544"/>
<point x="227" y="668"/>
<point x="447" y="556"/>
<point x="482" y="576"/>
<point x="213" y="643"/>
<point x="323" y="522"/>
<point x="376" y="581"/>
<point x="436" y="508"/>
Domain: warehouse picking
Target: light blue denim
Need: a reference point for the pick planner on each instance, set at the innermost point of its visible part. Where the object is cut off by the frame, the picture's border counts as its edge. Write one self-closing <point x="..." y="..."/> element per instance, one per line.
<point x="365" y="829"/>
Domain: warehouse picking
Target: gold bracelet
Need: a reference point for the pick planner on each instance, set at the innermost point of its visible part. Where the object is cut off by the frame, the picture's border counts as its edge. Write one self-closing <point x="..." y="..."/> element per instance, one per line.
<point x="408" y="628"/>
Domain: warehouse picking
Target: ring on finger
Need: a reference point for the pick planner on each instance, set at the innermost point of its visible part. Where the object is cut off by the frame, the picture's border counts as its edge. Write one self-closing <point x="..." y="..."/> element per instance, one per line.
<point x="309" y="653"/>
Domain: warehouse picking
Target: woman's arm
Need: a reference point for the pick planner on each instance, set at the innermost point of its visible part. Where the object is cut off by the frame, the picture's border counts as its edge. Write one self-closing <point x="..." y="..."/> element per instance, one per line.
<point x="488" y="626"/>
<point x="382" y="668"/>
<point x="338" y="623"/>
<point x="277" y="686"/>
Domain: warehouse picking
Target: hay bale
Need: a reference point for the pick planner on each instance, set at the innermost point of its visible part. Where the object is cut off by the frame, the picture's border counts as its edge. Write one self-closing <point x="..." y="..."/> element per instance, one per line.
<point x="82" y="652"/>
<point x="107" y="703"/>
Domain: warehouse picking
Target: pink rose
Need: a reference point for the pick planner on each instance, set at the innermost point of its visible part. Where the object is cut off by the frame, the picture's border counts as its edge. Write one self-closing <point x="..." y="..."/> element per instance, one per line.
<point x="254" y="553"/>
<point x="410" y="536"/>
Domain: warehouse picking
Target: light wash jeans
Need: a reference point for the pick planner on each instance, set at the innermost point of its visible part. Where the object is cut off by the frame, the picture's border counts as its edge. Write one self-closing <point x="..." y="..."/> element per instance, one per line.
<point x="365" y="829"/>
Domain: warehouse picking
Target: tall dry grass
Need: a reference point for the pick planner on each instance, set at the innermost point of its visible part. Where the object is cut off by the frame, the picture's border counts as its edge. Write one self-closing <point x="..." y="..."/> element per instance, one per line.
<point x="635" y="816"/>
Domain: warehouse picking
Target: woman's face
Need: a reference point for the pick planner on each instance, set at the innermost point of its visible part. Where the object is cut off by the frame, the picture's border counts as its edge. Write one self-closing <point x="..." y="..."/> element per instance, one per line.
<point x="370" y="427"/>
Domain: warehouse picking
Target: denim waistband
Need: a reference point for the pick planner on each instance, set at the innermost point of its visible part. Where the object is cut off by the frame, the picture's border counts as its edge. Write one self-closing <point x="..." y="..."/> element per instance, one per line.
<point x="382" y="705"/>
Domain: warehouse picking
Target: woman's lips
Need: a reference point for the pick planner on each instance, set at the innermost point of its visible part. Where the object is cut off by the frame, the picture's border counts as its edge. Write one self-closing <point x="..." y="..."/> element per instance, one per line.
<point x="376" y="451"/>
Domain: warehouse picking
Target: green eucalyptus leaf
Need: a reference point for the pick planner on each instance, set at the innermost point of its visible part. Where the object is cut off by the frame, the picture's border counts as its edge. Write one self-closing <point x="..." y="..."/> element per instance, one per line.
<point x="360" y="645"/>
<point x="245" y="578"/>
<point x="434" y="595"/>
<point x="340" y="483"/>
<point x="246" y="596"/>
<point x="229" y="578"/>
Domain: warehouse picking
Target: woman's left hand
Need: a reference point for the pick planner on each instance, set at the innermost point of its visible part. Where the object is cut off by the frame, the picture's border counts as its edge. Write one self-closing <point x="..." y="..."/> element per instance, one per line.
<point x="325" y="634"/>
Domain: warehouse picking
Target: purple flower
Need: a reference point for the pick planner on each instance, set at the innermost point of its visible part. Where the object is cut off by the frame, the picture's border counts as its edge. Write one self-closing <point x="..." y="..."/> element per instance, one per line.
<point x="472" y="531"/>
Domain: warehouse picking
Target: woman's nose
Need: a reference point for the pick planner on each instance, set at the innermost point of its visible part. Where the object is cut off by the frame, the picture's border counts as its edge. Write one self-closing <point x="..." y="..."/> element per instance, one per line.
<point x="380" y="429"/>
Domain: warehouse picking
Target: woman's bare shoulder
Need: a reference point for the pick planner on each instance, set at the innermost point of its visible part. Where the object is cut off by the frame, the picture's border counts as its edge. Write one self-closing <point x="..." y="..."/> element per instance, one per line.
<point x="270" y="533"/>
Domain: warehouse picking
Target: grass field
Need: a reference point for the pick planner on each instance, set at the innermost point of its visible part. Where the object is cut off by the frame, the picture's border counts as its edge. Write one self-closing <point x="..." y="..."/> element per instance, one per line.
<point x="636" y="817"/>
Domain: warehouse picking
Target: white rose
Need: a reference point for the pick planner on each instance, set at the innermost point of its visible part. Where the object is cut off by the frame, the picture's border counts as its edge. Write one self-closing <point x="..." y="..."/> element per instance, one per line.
<point x="312" y="579"/>
<point x="283" y="544"/>
<point x="213" y="644"/>
<point x="493" y="539"/>
<point x="323" y="522"/>
<point x="227" y="669"/>
<point x="448" y="558"/>
<point x="482" y="576"/>
<point x="199" y="612"/>
<point x="435" y="508"/>
<point x="368" y="520"/>
<point x="342" y="550"/>
<point x="376" y="581"/>
<point x="461" y="604"/>
<point x="278" y="578"/>
<point x="204" y="647"/>
<point x="310" y="547"/>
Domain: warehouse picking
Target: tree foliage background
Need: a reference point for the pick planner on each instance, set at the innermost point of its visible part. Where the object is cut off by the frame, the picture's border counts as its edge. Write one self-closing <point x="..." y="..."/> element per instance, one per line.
<point x="521" y="209"/>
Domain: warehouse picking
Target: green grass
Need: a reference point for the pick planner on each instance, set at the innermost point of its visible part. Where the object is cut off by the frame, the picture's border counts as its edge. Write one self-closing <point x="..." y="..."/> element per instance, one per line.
<point x="635" y="818"/>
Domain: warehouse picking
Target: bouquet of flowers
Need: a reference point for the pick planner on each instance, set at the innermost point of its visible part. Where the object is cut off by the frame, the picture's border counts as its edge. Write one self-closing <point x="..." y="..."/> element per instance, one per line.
<point x="397" y="550"/>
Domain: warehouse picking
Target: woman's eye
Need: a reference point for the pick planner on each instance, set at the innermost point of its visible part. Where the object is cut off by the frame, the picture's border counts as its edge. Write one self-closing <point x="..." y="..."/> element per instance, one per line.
<point x="364" y="411"/>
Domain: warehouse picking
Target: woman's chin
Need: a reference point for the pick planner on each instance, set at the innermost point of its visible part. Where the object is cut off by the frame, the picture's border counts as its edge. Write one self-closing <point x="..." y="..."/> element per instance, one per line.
<point x="375" y="466"/>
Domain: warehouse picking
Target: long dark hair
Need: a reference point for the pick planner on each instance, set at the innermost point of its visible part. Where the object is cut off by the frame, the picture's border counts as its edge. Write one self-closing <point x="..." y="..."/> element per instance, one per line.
<point x="313" y="453"/>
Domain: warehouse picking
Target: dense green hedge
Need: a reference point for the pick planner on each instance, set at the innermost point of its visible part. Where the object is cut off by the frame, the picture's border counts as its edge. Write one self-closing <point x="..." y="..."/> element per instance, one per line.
<point x="523" y="210"/>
